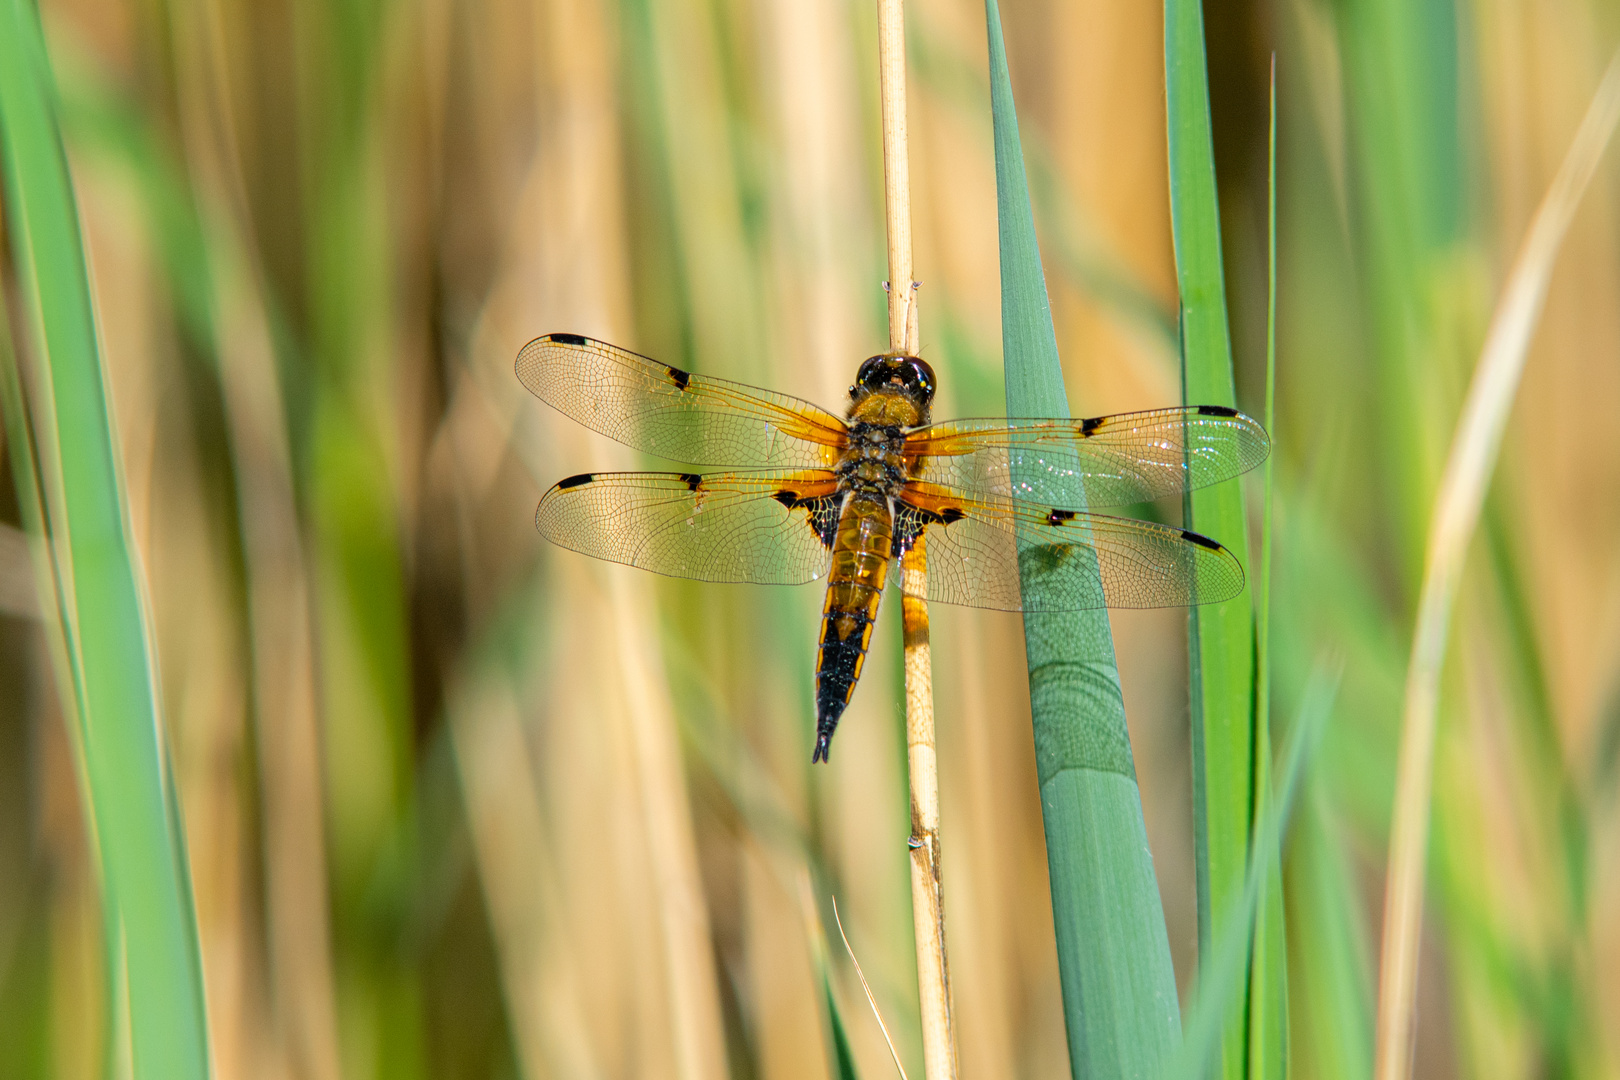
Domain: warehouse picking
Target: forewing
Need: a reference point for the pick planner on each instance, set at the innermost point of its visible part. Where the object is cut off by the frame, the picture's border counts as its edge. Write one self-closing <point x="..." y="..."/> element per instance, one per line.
<point x="675" y="414"/>
<point x="773" y="528"/>
<point x="1074" y="559"/>
<point x="1123" y="459"/>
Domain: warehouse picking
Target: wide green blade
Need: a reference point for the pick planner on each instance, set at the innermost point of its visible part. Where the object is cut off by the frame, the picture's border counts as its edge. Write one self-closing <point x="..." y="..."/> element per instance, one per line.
<point x="1227" y="731"/>
<point x="144" y="877"/>
<point x="1119" y="989"/>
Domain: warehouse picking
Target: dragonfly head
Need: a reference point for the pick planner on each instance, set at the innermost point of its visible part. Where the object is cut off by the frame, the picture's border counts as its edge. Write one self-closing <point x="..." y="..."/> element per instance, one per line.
<point x="888" y="373"/>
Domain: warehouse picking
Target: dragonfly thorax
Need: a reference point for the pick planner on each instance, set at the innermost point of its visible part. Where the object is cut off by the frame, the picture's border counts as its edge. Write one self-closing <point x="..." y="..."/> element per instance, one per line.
<point x="874" y="460"/>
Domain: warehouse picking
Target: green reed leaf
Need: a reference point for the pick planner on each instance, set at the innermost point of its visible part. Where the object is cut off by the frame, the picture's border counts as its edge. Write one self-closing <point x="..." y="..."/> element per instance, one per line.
<point x="1227" y="729"/>
<point x="1119" y="989"/>
<point x="152" y="937"/>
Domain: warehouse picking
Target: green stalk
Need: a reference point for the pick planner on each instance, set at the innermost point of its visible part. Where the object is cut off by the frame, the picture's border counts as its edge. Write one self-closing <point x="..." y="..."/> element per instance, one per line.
<point x="1268" y="975"/>
<point x="146" y="890"/>
<point x="1228" y="733"/>
<point x="1119" y="989"/>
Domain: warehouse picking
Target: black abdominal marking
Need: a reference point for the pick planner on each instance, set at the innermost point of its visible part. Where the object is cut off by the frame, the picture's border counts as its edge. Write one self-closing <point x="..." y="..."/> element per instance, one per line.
<point x="840" y="657"/>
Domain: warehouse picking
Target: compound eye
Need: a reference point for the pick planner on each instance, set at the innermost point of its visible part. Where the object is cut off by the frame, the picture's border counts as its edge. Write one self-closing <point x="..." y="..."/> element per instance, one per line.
<point x="919" y="373"/>
<point x="873" y="374"/>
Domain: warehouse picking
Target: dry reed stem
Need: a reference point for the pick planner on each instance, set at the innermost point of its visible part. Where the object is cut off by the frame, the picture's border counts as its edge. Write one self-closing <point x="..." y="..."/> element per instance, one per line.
<point x="578" y="177"/>
<point x="903" y="333"/>
<point x="1457" y="506"/>
<point x="672" y="849"/>
<point x="280" y="619"/>
<point x="927" y="885"/>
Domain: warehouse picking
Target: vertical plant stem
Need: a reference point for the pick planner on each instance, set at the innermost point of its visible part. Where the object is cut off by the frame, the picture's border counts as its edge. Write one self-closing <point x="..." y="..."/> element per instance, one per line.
<point x="1229" y="737"/>
<point x="903" y="333"/>
<point x="927" y="884"/>
<point x="1268" y="990"/>
<point x="1456" y="512"/>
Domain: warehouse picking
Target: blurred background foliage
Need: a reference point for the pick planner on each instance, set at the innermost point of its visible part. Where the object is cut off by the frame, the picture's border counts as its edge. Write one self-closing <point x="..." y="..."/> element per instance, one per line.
<point x="461" y="805"/>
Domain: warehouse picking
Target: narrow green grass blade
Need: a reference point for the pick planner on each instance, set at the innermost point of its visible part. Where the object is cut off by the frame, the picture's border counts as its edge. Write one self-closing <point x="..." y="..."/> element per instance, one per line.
<point x="145" y="883"/>
<point x="1119" y="989"/>
<point x="1226" y="730"/>
<point x="1221" y="968"/>
<point x="1268" y="974"/>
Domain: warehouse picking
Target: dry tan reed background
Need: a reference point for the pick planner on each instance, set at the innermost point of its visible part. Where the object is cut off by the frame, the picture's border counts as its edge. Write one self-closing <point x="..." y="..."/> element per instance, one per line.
<point x="462" y="805"/>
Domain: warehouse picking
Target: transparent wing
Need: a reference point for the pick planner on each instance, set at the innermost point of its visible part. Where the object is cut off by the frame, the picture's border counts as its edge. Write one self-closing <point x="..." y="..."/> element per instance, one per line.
<point x="1074" y="560"/>
<point x="1128" y="458"/>
<point x="773" y="528"/>
<point x="675" y="414"/>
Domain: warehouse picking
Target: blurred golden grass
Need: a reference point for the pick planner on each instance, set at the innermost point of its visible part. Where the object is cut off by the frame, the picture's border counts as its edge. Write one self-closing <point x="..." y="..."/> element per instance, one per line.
<point x="1458" y="503"/>
<point x="412" y="744"/>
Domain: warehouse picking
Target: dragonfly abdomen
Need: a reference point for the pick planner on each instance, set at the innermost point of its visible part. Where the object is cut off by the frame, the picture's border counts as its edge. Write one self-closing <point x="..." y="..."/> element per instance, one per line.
<point x="860" y="566"/>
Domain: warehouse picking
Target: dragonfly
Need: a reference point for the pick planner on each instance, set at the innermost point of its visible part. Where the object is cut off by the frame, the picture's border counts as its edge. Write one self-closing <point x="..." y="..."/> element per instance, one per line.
<point x="999" y="509"/>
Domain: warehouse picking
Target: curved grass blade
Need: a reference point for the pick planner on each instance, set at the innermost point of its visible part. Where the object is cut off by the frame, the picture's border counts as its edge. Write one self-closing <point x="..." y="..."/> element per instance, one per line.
<point x="1119" y="989"/>
<point x="144" y="877"/>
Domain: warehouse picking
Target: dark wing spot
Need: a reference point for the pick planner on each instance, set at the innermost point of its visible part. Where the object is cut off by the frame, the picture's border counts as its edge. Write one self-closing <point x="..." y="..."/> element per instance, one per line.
<point x="1058" y="517"/>
<point x="574" y="481"/>
<point x="679" y="378"/>
<point x="1200" y="540"/>
<point x="1089" y="425"/>
<point x="1216" y="410"/>
<point x="568" y="339"/>
<point x="822" y="513"/>
<point x="909" y="522"/>
<point x="692" y="480"/>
